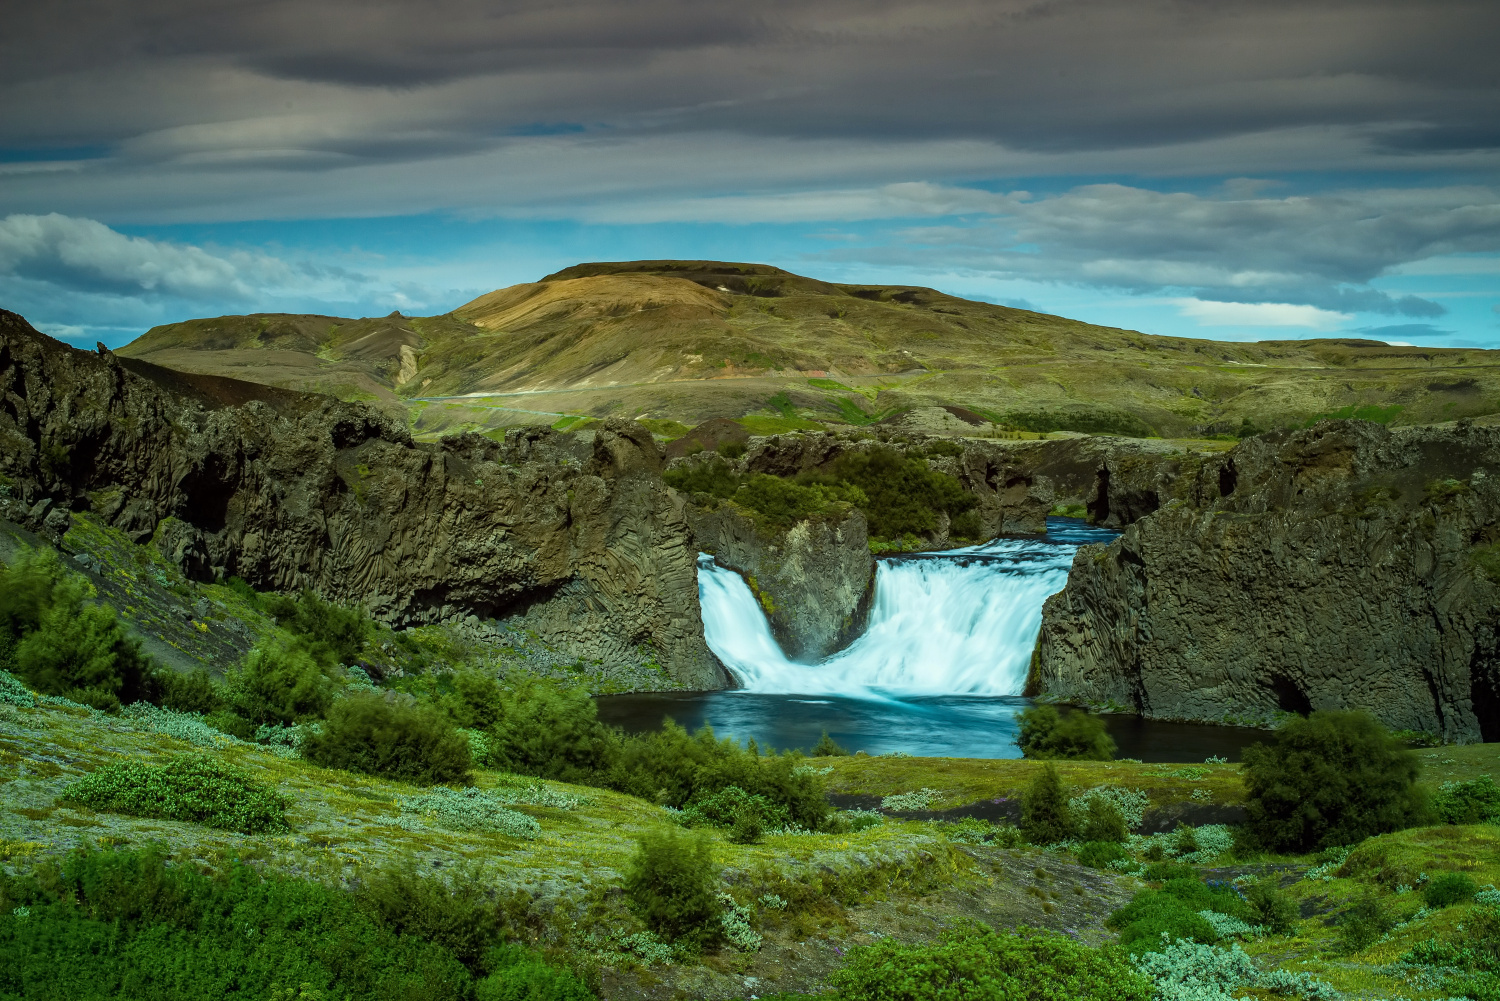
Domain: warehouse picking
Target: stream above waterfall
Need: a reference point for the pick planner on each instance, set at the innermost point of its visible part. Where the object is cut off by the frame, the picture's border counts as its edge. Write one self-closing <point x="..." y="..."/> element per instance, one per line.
<point x="937" y="672"/>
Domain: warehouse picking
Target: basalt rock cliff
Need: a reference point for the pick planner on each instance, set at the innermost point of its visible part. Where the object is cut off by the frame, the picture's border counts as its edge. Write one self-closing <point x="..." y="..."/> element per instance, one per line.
<point x="573" y="534"/>
<point x="1346" y="565"/>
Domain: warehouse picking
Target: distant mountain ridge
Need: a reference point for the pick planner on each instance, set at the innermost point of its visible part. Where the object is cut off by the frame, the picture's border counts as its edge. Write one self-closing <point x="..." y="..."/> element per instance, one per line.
<point x="680" y="342"/>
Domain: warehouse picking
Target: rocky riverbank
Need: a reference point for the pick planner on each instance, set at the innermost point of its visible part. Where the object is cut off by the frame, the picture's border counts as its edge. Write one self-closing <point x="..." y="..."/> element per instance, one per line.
<point x="1346" y="565"/>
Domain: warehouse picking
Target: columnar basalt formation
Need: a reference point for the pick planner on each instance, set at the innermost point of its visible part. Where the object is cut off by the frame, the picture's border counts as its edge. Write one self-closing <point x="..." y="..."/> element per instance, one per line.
<point x="575" y="533"/>
<point x="1347" y="565"/>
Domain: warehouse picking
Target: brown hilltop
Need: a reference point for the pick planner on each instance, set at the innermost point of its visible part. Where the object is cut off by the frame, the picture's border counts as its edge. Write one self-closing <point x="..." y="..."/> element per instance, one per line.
<point x="680" y="342"/>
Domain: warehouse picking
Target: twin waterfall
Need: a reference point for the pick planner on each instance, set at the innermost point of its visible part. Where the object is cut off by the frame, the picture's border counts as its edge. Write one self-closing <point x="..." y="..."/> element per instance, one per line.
<point x="958" y="622"/>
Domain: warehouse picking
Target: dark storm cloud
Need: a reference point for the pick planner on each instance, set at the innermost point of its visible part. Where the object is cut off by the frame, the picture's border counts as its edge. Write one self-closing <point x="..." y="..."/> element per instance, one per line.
<point x="1031" y="74"/>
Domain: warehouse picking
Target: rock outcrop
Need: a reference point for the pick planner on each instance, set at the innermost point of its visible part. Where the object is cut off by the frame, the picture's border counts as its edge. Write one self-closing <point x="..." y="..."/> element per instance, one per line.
<point x="1349" y="565"/>
<point x="814" y="580"/>
<point x="575" y="534"/>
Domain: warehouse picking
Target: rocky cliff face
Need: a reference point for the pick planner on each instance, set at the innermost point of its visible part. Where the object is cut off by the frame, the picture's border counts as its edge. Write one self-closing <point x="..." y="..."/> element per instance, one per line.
<point x="574" y="534"/>
<point x="1348" y="565"/>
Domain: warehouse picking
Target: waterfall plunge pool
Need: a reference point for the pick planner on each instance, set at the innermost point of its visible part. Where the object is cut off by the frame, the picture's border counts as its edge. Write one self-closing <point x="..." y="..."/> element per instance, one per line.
<point x="937" y="672"/>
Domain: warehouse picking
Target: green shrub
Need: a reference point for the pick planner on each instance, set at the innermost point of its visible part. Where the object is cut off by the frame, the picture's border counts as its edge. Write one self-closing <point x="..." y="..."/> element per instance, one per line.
<point x="1155" y="918"/>
<point x="1470" y="802"/>
<point x="57" y="643"/>
<point x="827" y="747"/>
<point x="1274" y="908"/>
<point x="477" y="701"/>
<point x="412" y="743"/>
<point x="331" y="634"/>
<point x="901" y="496"/>
<point x="1175" y="909"/>
<point x="1045" y="816"/>
<point x="1162" y="872"/>
<point x="125" y="926"/>
<point x="744" y="815"/>
<point x="521" y="975"/>
<point x="1103" y="821"/>
<point x="191" y="787"/>
<point x="713" y="477"/>
<point x="1046" y="733"/>
<point x="278" y="683"/>
<point x="674" y="768"/>
<point x="458" y="915"/>
<point x="782" y="503"/>
<point x="547" y="730"/>
<point x="187" y="693"/>
<point x="1362" y="925"/>
<point x="1332" y="778"/>
<point x="975" y="963"/>
<point x="670" y="884"/>
<point x="1099" y="854"/>
<point x="82" y="653"/>
<point x="1449" y="888"/>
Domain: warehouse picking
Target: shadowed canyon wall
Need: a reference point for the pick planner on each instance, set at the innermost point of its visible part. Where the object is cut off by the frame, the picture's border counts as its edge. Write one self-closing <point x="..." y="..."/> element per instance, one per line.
<point x="575" y="534"/>
<point x="1347" y="565"/>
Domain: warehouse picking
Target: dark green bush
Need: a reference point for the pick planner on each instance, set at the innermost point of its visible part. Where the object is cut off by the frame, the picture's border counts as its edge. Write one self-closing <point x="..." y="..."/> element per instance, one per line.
<point x="1174" y="909"/>
<point x="746" y="816"/>
<point x="1274" y="908"/>
<point x="674" y="768"/>
<point x="124" y="926"/>
<point x="1362" y="925"/>
<point x="547" y="730"/>
<point x="1470" y="802"/>
<point x="975" y="963"/>
<point x="278" y="683"/>
<point x="412" y="743"/>
<point x="1045" y="816"/>
<point x="966" y="526"/>
<point x="187" y="693"/>
<point x="191" y="787"/>
<point x="782" y="503"/>
<point x="714" y="477"/>
<point x="1099" y="854"/>
<point x="521" y="975"/>
<point x="827" y="747"/>
<point x="462" y="917"/>
<point x="1449" y="888"/>
<point x="477" y="701"/>
<point x="1103" y="822"/>
<point x="332" y="634"/>
<point x="1162" y="872"/>
<point x="57" y="643"/>
<point x="901" y="496"/>
<point x="731" y="449"/>
<point x="1332" y="778"/>
<point x="670" y="884"/>
<point x="1046" y="733"/>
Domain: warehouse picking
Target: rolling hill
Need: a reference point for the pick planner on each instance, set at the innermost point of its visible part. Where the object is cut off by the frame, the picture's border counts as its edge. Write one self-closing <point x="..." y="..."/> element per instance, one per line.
<point x="679" y="342"/>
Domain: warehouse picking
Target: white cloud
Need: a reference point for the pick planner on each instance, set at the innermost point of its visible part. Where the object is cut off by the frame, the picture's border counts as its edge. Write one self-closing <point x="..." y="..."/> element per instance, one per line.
<point x="1259" y="314"/>
<point x="76" y="276"/>
<point x="86" y="254"/>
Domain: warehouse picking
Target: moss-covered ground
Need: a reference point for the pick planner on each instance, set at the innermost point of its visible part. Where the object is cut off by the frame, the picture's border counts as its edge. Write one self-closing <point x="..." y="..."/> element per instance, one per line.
<point x="901" y="878"/>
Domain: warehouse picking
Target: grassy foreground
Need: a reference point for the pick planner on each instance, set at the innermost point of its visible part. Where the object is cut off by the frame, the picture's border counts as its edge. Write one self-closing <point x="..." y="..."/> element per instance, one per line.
<point x="811" y="897"/>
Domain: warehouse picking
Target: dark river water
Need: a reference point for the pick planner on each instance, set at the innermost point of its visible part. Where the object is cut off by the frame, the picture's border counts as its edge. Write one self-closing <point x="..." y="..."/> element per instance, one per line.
<point x="955" y="726"/>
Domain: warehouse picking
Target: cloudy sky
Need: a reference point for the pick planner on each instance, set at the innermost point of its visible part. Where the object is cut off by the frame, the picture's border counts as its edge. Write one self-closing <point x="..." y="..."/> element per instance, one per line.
<point x="1238" y="170"/>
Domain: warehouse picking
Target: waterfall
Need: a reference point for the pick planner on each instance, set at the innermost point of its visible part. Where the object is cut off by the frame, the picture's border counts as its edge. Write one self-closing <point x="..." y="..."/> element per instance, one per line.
<point x="959" y="622"/>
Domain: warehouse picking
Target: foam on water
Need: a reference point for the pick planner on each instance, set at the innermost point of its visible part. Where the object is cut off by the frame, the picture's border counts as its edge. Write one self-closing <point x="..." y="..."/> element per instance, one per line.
<point x="960" y="622"/>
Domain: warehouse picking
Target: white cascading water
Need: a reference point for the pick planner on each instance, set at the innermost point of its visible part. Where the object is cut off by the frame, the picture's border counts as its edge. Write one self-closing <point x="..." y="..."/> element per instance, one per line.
<point x="962" y="622"/>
